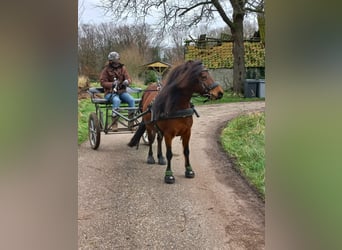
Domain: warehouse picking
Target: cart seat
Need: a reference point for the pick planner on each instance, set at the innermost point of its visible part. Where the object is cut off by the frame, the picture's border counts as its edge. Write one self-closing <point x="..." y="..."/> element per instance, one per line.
<point x="95" y="92"/>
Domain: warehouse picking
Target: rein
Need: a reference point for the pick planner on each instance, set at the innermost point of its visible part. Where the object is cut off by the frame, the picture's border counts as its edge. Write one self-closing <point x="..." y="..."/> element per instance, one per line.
<point x="159" y="87"/>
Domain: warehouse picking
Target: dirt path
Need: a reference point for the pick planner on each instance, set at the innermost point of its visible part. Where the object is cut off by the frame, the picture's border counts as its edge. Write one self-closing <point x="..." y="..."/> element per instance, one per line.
<point x="124" y="203"/>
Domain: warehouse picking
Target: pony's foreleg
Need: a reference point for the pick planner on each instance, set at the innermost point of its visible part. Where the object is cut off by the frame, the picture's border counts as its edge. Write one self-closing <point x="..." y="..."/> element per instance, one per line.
<point x="161" y="159"/>
<point x="189" y="173"/>
<point x="151" y="137"/>
<point x="169" y="178"/>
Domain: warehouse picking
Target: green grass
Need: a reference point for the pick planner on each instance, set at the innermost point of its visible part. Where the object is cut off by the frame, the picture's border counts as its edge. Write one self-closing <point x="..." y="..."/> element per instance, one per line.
<point x="85" y="107"/>
<point x="244" y="140"/>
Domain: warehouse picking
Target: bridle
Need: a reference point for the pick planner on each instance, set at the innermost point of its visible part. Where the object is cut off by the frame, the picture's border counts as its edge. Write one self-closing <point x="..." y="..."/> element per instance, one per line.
<point x="206" y="88"/>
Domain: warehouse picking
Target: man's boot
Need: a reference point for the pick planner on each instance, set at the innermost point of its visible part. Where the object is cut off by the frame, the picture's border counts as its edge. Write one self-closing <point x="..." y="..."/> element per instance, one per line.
<point x="114" y="126"/>
<point x="131" y="123"/>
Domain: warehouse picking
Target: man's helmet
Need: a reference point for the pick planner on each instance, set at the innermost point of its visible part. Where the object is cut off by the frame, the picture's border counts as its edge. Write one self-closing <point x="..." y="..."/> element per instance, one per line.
<point x="113" y="56"/>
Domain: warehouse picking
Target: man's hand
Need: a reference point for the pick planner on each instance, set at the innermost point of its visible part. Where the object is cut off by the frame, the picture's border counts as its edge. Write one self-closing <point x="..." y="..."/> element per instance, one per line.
<point x="114" y="85"/>
<point x="125" y="83"/>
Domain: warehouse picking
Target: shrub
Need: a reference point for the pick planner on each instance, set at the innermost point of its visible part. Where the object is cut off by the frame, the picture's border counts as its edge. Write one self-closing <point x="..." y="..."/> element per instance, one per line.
<point x="150" y="76"/>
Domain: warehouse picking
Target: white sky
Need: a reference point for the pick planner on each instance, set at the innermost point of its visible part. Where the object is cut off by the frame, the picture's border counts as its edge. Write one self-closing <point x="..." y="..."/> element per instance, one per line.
<point x="92" y="14"/>
<point x="89" y="13"/>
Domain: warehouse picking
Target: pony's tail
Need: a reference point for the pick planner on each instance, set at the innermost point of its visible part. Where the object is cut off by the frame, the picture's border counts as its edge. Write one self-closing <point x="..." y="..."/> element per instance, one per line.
<point x="137" y="135"/>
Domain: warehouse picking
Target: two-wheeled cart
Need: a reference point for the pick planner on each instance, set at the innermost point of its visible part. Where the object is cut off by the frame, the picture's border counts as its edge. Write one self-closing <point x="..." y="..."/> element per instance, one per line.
<point x="101" y="120"/>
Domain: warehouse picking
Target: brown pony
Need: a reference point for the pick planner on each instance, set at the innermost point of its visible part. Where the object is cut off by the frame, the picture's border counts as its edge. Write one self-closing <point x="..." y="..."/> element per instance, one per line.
<point x="169" y="111"/>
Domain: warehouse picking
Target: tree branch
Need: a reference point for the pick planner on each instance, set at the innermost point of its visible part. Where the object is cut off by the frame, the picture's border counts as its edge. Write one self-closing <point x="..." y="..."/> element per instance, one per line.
<point x="256" y="6"/>
<point x="222" y="13"/>
<point x="193" y="7"/>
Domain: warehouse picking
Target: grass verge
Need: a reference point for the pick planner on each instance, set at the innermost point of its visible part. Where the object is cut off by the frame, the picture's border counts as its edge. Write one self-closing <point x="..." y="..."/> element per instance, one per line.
<point x="85" y="107"/>
<point x="244" y="141"/>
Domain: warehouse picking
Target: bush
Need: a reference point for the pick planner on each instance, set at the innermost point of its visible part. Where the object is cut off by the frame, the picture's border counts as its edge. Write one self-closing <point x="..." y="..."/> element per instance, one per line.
<point x="83" y="82"/>
<point x="151" y="76"/>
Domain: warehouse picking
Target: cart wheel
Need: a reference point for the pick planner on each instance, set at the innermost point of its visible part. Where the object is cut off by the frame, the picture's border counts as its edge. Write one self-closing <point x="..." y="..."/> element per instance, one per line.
<point x="145" y="138"/>
<point x="94" y="131"/>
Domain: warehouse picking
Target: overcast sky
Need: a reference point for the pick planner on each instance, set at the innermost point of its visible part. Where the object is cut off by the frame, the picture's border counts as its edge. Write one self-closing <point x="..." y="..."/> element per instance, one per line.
<point x="90" y="13"/>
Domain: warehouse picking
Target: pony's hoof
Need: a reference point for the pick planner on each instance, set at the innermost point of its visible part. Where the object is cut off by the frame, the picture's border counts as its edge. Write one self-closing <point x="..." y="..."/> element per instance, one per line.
<point x="161" y="161"/>
<point x="169" y="179"/>
<point x="189" y="174"/>
<point x="150" y="160"/>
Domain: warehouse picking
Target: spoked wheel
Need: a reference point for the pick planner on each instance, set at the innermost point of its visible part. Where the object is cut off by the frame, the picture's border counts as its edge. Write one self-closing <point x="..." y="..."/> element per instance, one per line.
<point x="94" y="131"/>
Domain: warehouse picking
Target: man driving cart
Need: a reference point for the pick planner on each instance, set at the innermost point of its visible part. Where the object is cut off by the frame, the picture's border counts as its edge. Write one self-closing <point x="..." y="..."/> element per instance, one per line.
<point x="115" y="79"/>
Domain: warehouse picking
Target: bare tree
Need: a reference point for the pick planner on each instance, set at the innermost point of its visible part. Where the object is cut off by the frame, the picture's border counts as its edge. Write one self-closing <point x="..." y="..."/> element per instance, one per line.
<point x="87" y="50"/>
<point x="81" y="10"/>
<point x="249" y="27"/>
<point x="173" y="14"/>
<point x="176" y="52"/>
<point x="95" y="41"/>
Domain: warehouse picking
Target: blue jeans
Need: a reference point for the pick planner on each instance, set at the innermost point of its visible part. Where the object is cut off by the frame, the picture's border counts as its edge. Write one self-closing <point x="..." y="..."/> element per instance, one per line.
<point x="117" y="98"/>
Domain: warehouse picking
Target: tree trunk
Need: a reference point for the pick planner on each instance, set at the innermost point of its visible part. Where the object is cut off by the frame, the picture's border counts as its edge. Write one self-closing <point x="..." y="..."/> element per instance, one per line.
<point x="261" y="24"/>
<point x="238" y="53"/>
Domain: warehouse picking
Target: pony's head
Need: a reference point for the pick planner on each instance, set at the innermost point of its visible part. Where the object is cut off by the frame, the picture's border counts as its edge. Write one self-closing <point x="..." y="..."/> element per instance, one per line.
<point x="201" y="80"/>
<point x="210" y="88"/>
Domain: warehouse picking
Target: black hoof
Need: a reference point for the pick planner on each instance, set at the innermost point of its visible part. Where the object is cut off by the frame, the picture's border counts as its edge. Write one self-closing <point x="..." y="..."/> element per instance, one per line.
<point x="189" y="174"/>
<point x="169" y="179"/>
<point x="150" y="160"/>
<point x="161" y="161"/>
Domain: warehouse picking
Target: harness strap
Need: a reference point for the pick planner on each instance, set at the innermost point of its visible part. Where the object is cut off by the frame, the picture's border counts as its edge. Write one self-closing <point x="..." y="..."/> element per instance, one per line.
<point x="160" y="133"/>
<point x="214" y="85"/>
<point x="177" y="114"/>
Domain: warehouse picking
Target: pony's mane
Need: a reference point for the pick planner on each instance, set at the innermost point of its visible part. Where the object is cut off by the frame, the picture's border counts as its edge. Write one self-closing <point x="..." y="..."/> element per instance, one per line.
<point x="180" y="81"/>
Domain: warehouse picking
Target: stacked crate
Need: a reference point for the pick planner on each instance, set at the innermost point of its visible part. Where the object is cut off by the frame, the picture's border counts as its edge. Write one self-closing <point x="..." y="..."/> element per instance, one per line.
<point x="221" y="56"/>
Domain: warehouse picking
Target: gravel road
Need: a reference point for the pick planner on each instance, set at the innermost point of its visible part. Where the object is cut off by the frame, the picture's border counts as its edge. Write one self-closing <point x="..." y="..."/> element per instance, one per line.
<point x="123" y="203"/>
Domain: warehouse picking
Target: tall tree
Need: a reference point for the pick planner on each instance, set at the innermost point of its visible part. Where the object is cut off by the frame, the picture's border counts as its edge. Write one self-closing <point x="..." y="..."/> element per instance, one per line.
<point x="173" y="14"/>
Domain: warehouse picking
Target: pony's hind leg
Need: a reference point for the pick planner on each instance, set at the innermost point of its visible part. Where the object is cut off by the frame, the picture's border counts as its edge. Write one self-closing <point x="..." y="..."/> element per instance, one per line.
<point x="161" y="159"/>
<point x="189" y="173"/>
<point x="151" y="137"/>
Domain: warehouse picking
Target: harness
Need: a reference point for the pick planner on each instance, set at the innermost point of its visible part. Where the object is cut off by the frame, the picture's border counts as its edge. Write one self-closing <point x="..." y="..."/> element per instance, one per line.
<point x="179" y="113"/>
<point x="176" y="114"/>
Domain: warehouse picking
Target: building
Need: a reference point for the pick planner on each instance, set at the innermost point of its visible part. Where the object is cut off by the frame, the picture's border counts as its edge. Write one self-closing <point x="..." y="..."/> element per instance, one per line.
<point x="217" y="56"/>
